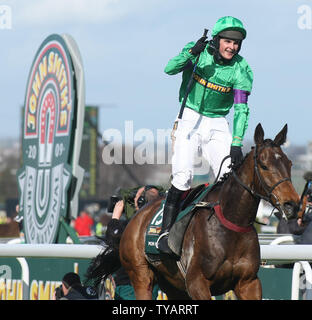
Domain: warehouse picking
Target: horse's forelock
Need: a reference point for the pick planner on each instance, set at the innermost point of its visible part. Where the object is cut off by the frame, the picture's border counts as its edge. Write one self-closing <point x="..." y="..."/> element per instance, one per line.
<point x="270" y="143"/>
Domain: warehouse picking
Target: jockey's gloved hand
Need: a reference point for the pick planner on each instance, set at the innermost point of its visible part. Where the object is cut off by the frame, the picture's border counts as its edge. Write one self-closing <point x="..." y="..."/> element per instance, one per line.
<point x="199" y="46"/>
<point x="236" y="155"/>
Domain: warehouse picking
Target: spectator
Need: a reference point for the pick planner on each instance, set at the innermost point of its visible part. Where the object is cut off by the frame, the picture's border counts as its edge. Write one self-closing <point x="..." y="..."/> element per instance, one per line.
<point x="306" y="197"/>
<point x="306" y="221"/>
<point x="301" y="227"/>
<point x="72" y="289"/>
<point x="292" y="226"/>
<point x="83" y="224"/>
<point x="3" y="217"/>
<point x="19" y="220"/>
<point x="101" y="226"/>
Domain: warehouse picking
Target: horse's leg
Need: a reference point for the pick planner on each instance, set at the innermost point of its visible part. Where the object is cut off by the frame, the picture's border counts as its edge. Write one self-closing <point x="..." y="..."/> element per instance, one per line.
<point x="248" y="289"/>
<point x="172" y="292"/>
<point x="198" y="287"/>
<point x="142" y="279"/>
<point x="132" y="257"/>
<point x="131" y="252"/>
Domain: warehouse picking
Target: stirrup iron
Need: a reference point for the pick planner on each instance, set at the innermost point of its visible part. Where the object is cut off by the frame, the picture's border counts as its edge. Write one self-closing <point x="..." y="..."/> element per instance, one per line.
<point x="160" y="237"/>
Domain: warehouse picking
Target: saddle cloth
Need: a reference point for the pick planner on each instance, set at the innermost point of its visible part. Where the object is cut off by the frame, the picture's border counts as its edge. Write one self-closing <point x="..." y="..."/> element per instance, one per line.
<point x="177" y="231"/>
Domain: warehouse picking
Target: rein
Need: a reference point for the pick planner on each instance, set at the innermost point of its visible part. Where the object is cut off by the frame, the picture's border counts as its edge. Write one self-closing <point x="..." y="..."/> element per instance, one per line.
<point x="221" y="165"/>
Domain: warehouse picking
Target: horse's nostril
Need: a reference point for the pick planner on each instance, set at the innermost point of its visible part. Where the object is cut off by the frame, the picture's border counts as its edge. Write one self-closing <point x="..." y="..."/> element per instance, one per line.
<point x="288" y="205"/>
<point x="290" y="208"/>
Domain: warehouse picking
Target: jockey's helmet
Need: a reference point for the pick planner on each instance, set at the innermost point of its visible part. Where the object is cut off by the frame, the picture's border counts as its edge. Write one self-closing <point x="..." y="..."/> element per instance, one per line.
<point x="229" y="27"/>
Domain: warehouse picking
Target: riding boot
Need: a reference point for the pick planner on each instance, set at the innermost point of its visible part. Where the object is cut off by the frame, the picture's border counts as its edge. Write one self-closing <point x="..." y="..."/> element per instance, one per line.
<point x="171" y="210"/>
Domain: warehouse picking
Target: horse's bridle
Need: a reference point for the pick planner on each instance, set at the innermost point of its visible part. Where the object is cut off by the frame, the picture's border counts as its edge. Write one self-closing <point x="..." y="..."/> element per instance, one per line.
<point x="268" y="190"/>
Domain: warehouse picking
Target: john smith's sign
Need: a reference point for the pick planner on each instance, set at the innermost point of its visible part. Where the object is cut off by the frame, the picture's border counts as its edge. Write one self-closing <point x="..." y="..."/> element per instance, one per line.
<point x="48" y="138"/>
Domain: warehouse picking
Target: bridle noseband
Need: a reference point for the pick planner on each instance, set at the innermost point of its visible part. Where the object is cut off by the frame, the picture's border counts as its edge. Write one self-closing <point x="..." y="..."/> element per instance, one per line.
<point x="268" y="190"/>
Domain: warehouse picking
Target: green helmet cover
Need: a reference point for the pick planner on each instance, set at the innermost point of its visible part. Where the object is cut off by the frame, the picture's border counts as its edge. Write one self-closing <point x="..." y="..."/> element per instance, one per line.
<point x="228" y="23"/>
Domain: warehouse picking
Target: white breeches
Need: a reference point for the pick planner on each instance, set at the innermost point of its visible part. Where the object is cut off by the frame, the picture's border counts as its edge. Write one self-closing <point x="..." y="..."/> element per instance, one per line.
<point x="211" y="135"/>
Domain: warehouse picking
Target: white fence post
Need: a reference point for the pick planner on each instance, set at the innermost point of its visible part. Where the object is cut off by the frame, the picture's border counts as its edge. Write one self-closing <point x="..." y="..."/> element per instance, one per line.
<point x="295" y="281"/>
<point x="25" y="271"/>
<point x="298" y="267"/>
<point x="25" y="277"/>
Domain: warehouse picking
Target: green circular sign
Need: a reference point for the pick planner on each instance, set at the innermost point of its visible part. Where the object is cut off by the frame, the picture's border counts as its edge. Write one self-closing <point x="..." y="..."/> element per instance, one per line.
<point x="47" y="139"/>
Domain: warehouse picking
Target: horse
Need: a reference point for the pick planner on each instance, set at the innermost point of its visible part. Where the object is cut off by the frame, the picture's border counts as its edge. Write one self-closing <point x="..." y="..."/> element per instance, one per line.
<point x="220" y="249"/>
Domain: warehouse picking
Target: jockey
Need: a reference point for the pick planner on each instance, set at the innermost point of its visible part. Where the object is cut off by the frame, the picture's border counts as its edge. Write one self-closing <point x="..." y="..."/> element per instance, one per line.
<point x="222" y="79"/>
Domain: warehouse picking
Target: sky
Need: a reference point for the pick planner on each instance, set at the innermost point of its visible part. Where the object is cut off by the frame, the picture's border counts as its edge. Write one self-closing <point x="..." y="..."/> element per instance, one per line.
<point x="126" y="44"/>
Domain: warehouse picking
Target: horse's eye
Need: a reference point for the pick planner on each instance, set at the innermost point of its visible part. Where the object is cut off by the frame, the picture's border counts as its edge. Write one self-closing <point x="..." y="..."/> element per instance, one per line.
<point x="263" y="167"/>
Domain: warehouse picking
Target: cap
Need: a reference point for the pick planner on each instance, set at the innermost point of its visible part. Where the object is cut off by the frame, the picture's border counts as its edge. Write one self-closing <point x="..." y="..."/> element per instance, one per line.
<point x="70" y="279"/>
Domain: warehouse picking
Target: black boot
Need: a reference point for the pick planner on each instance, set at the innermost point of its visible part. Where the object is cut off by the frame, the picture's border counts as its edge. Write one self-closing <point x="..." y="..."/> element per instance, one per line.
<point x="171" y="210"/>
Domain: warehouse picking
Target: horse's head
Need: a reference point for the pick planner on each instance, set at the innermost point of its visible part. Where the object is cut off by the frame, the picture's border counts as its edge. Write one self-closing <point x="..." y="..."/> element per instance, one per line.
<point x="273" y="173"/>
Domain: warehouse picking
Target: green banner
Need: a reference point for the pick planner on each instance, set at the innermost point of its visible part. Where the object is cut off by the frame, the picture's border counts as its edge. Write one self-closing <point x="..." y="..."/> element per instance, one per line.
<point x="44" y="276"/>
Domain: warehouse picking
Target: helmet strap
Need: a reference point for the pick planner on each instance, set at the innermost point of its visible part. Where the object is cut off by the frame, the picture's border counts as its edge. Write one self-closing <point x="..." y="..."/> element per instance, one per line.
<point x="213" y="49"/>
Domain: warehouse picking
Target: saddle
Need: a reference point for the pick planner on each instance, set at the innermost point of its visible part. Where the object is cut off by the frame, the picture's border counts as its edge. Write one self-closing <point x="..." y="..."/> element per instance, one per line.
<point x="191" y="195"/>
<point x="178" y="229"/>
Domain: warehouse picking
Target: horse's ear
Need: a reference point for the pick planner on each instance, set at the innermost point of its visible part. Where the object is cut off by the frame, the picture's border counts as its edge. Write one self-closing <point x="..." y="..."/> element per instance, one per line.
<point x="259" y="134"/>
<point x="281" y="136"/>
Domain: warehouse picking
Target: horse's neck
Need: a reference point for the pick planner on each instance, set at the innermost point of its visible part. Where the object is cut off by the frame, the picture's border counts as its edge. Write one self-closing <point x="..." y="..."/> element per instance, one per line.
<point x="238" y="205"/>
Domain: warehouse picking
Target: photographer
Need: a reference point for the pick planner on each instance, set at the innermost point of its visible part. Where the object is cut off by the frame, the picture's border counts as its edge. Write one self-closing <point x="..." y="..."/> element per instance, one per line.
<point x="133" y="199"/>
<point x="72" y="289"/>
<point x="123" y="205"/>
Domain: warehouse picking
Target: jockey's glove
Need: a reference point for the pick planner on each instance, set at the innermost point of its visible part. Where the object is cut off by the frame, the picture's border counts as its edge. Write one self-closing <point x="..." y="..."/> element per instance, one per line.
<point x="199" y="46"/>
<point x="236" y="155"/>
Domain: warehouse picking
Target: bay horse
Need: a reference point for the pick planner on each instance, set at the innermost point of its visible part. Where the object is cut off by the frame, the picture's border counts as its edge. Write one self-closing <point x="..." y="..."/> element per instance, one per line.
<point x="216" y="258"/>
<point x="220" y="249"/>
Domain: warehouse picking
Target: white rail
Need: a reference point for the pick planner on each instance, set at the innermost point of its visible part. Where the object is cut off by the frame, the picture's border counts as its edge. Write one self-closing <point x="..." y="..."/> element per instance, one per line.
<point x="82" y="251"/>
<point x="269" y="253"/>
<point x="285" y="239"/>
<point x="268" y="238"/>
<point x="276" y="254"/>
